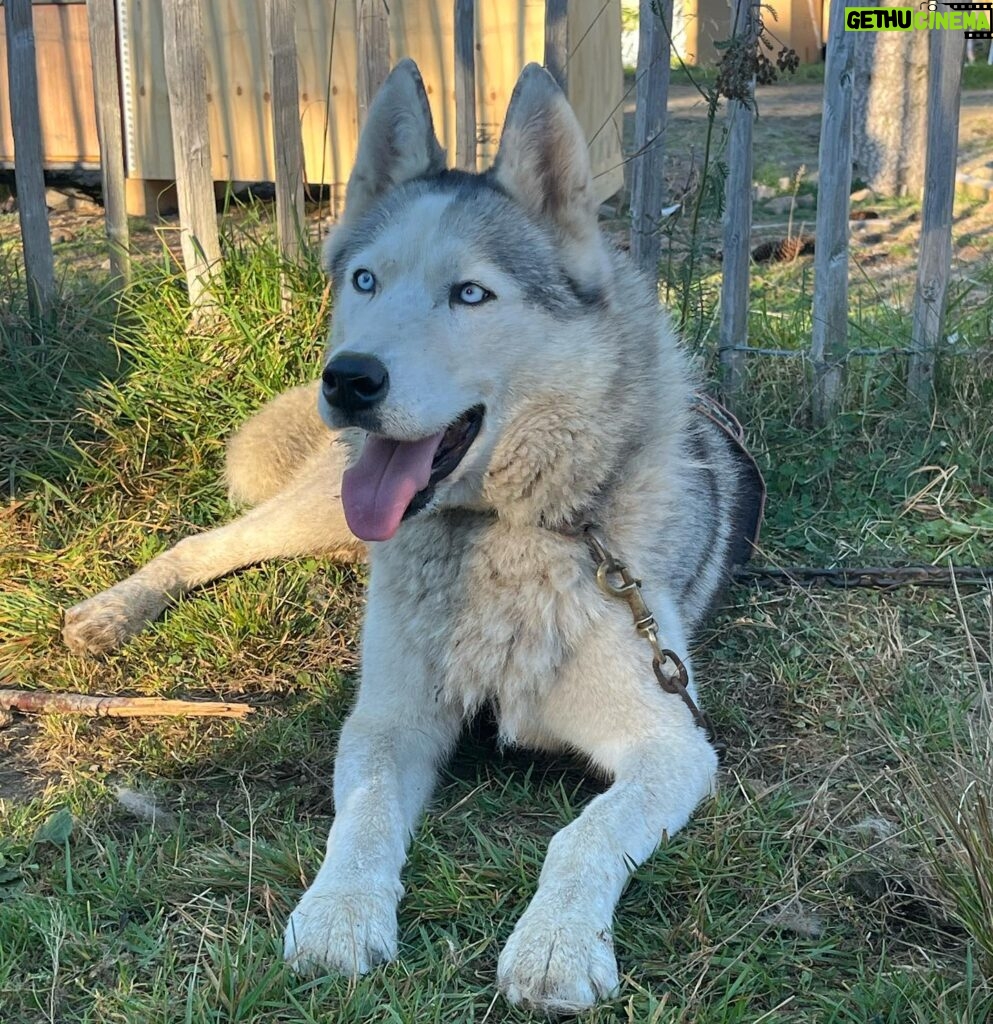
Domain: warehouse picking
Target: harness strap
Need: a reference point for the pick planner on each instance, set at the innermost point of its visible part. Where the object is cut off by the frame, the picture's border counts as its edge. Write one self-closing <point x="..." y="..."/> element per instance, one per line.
<point x="726" y="421"/>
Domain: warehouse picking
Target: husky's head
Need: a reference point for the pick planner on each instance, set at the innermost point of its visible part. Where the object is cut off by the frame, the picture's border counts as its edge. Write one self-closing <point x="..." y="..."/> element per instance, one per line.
<point x="461" y="338"/>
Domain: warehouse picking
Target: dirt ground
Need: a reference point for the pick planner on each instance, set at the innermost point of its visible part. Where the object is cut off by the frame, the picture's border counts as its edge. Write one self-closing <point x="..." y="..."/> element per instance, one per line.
<point x="786" y="143"/>
<point x="787" y="131"/>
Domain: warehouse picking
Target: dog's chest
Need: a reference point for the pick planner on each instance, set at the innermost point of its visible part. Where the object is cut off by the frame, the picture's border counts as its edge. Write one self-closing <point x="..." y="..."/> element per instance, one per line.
<point x="494" y="611"/>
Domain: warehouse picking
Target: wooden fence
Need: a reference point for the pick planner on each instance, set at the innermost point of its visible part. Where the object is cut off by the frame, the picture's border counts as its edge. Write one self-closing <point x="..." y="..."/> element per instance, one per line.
<point x="829" y="349"/>
<point x="187" y="89"/>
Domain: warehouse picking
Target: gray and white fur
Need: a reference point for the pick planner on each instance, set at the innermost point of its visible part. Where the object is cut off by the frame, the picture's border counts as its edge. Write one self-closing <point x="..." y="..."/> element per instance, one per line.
<point x="486" y="596"/>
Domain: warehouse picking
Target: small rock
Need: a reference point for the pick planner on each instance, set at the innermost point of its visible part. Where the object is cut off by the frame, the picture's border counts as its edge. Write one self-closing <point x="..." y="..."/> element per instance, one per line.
<point x="59" y="200"/>
<point x="795" y="916"/>
<point x="785" y="184"/>
<point x="56" y="200"/>
<point x="869" y="226"/>
<point x="764" y="191"/>
<point x="862" y="195"/>
<point x="61" y="235"/>
<point x="9" y="205"/>
<point x="83" y="204"/>
<point x="144" y="805"/>
<point x="779" y="205"/>
<point x="806" y="201"/>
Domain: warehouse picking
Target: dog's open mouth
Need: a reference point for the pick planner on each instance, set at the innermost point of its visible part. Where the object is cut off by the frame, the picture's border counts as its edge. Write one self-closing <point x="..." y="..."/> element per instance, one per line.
<point x="393" y="480"/>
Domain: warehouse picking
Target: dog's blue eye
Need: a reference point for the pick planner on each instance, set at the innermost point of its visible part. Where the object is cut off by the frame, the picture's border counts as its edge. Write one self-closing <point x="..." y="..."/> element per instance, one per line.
<point x="364" y="280"/>
<point x="471" y="294"/>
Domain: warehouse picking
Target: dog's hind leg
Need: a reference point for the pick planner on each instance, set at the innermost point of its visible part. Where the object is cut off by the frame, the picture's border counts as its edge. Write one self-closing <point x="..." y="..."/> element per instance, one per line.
<point x="270" y="448"/>
<point x="560" y="956"/>
<point x="306" y="518"/>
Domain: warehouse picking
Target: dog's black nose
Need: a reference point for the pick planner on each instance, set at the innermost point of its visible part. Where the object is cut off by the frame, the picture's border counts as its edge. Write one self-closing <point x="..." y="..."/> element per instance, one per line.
<point x="352" y="382"/>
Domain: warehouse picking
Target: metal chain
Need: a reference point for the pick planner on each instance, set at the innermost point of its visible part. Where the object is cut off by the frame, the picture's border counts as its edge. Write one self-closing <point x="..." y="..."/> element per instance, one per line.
<point x="882" y="578"/>
<point x="616" y="580"/>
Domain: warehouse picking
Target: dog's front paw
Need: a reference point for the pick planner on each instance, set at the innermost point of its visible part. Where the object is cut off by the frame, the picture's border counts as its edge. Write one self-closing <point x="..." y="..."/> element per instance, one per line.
<point x="557" y="963"/>
<point x="341" y="932"/>
<point x="105" y="621"/>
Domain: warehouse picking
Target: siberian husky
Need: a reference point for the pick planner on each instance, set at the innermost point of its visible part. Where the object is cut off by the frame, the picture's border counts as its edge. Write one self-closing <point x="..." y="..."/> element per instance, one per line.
<point x="497" y="378"/>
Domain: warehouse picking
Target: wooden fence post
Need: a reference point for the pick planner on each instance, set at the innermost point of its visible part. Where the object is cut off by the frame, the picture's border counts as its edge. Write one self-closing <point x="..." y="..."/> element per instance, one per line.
<point x="107" y="96"/>
<point x="286" y="139"/>
<point x="647" y="183"/>
<point x="737" y="224"/>
<point x="372" y="17"/>
<point x="29" y="174"/>
<point x="944" y="94"/>
<point x="829" y="335"/>
<point x="465" y="84"/>
<point x="186" y="81"/>
<point x="557" y="41"/>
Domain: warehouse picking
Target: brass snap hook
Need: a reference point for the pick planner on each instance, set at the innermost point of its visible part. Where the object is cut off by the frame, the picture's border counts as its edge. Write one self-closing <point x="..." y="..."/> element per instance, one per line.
<point x="624" y="588"/>
<point x="667" y="666"/>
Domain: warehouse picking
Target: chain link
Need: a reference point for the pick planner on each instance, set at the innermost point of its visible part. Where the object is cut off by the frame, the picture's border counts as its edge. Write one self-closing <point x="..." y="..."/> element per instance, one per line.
<point x="616" y="580"/>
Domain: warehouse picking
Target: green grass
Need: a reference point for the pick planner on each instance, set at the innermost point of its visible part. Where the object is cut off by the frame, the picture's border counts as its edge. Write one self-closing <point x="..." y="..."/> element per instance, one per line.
<point x="823" y="884"/>
<point x="978" y="75"/>
<point x="706" y="75"/>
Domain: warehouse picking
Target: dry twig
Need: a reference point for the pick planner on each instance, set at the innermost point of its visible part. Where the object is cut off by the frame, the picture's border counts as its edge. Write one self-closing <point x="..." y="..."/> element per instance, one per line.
<point x="36" y="702"/>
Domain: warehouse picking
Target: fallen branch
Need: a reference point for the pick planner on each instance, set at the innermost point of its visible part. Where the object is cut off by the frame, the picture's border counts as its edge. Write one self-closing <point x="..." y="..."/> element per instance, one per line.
<point x="881" y="578"/>
<point x="37" y="702"/>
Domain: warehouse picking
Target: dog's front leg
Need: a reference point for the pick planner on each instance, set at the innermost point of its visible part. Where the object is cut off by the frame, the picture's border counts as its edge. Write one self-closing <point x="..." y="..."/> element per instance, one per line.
<point x="383" y="775"/>
<point x="304" y="519"/>
<point x="560" y="957"/>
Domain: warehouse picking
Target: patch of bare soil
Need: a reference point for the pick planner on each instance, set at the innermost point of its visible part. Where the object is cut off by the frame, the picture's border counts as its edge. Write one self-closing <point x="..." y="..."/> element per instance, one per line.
<point x="786" y="144"/>
<point x="20" y="777"/>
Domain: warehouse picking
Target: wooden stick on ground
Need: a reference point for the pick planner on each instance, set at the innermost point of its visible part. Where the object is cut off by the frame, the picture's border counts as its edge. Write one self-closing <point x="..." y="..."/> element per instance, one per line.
<point x="36" y="702"/>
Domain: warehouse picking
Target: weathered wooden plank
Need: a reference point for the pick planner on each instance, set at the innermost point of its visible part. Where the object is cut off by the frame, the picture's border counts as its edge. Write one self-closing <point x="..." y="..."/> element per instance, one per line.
<point x="935" y="261"/>
<point x="107" y="97"/>
<point x="557" y="41"/>
<point x="374" y="51"/>
<point x="286" y="139"/>
<point x="186" y="79"/>
<point x="508" y="36"/>
<point x="22" y="76"/>
<point x="737" y="226"/>
<point x="647" y="182"/>
<point x="65" y="90"/>
<point x="465" y="84"/>
<point x="829" y="334"/>
<point x="596" y="87"/>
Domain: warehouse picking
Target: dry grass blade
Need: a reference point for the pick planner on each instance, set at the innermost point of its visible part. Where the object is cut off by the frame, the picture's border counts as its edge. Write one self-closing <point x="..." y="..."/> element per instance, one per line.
<point x="956" y="792"/>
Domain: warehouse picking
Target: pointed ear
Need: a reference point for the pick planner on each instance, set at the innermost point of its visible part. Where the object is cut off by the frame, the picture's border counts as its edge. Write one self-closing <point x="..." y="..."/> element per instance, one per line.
<point x="397" y="142"/>
<point x="543" y="163"/>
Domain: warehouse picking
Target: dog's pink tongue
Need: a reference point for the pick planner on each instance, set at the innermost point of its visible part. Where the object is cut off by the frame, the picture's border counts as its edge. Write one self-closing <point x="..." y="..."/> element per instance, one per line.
<point x="378" y="488"/>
